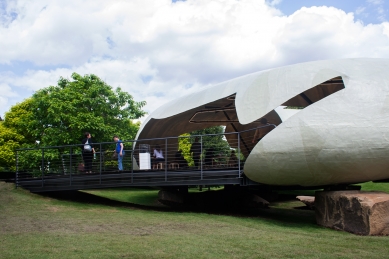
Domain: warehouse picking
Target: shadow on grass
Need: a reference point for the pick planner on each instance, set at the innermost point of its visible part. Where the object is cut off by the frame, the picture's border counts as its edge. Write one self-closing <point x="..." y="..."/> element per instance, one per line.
<point x="214" y="204"/>
<point x="83" y="197"/>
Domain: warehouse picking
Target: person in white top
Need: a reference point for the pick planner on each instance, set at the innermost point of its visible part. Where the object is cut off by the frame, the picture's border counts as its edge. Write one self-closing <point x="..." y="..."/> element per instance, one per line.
<point x="158" y="155"/>
<point x="87" y="152"/>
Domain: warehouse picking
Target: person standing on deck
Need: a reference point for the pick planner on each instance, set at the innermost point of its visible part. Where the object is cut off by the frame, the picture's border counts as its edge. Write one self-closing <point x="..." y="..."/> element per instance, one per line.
<point x="195" y="150"/>
<point x="87" y="152"/>
<point x="119" y="151"/>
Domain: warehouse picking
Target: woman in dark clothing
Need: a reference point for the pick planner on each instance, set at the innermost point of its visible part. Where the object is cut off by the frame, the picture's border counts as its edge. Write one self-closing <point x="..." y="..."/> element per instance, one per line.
<point x="87" y="152"/>
<point x="180" y="160"/>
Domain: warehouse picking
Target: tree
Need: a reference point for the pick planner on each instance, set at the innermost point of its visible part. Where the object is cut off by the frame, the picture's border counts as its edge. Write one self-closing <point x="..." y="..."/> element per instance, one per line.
<point x="20" y="120"/>
<point x="9" y="141"/>
<point x="217" y="144"/>
<point x="59" y="115"/>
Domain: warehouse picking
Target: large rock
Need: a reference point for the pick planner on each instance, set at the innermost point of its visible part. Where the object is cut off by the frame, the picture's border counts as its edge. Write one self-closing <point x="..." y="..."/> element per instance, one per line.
<point x="358" y="212"/>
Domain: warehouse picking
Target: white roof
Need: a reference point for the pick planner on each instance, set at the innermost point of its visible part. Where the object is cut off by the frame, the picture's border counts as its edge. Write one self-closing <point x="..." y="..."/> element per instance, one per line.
<point x="333" y="124"/>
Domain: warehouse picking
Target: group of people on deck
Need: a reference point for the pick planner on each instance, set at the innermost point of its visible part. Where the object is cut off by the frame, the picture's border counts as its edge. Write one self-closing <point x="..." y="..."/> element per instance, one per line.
<point x="88" y="152"/>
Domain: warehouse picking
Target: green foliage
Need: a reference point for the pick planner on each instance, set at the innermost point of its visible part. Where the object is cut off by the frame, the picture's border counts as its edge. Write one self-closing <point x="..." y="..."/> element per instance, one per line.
<point x="184" y="145"/>
<point x="32" y="160"/>
<point x="239" y="155"/>
<point x="9" y="141"/>
<point x="59" y="115"/>
<point x="218" y="143"/>
<point x="20" y="119"/>
<point x="129" y="132"/>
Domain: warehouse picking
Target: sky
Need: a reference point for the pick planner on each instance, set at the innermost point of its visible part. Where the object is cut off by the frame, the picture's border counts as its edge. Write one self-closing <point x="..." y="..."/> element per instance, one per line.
<point x="159" y="50"/>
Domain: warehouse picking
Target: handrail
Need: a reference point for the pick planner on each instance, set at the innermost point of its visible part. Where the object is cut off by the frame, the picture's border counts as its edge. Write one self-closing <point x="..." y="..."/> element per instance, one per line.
<point x="61" y="168"/>
<point x="141" y="140"/>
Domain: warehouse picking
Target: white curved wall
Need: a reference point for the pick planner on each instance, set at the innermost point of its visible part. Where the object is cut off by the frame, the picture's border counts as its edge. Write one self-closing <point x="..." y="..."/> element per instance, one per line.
<point x="342" y="138"/>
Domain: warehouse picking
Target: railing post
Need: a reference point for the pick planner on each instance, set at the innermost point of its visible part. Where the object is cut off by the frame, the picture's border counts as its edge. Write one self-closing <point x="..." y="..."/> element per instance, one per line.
<point x="71" y="165"/>
<point x="165" y="159"/>
<point x="17" y="170"/>
<point x="100" y="162"/>
<point x="201" y="156"/>
<point x="43" y="164"/>
<point x="238" y="154"/>
<point x="132" y="162"/>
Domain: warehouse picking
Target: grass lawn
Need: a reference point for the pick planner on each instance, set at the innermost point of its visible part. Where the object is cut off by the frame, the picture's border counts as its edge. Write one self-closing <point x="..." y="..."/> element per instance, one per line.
<point x="129" y="223"/>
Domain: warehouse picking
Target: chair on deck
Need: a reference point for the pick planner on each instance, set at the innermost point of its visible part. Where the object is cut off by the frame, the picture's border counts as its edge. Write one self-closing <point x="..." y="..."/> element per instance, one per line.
<point x="158" y="165"/>
<point x="179" y="161"/>
<point x="174" y="165"/>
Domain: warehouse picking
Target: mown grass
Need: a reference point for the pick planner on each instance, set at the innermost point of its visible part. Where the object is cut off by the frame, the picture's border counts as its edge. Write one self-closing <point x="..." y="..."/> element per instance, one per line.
<point x="370" y="186"/>
<point x="37" y="226"/>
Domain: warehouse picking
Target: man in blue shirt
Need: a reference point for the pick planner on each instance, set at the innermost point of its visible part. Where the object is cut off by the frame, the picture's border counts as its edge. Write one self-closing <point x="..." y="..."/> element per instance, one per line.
<point x="119" y="151"/>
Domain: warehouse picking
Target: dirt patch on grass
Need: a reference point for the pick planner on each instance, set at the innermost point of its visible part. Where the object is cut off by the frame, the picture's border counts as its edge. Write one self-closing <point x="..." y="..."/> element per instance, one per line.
<point x="53" y="209"/>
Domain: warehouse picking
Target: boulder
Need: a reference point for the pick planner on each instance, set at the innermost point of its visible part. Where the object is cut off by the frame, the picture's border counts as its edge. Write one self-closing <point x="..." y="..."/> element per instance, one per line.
<point x="358" y="212"/>
<point x="307" y="200"/>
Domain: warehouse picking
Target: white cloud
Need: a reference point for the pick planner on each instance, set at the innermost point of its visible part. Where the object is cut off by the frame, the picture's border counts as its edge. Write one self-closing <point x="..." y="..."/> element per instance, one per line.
<point x="376" y="2"/>
<point x="158" y="50"/>
<point x="6" y="91"/>
<point x="3" y="105"/>
<point x="135" y="76"/>
<point x="273" y="2"/>
<point x="360" y="10"/>
<point x="328" y="33"/>
<point x="6" y="94"/>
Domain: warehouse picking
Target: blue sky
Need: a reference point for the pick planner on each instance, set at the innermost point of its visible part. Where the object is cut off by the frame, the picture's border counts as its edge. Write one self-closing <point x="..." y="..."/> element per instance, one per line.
<point x="375" y="11"/>
<point x="158" y="50"/>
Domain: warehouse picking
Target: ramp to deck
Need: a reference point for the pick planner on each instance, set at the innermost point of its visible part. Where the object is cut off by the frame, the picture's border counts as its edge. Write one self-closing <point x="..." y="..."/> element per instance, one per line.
<point x="135" y="178"/>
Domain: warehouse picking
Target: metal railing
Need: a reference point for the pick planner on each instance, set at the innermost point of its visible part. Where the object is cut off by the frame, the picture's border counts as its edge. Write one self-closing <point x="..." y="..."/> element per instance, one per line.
<point x="219" y="159"/>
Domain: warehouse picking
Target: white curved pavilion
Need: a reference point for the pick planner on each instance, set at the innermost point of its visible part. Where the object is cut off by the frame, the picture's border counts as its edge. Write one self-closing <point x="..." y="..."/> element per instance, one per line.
<point x="340" y="136"/>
